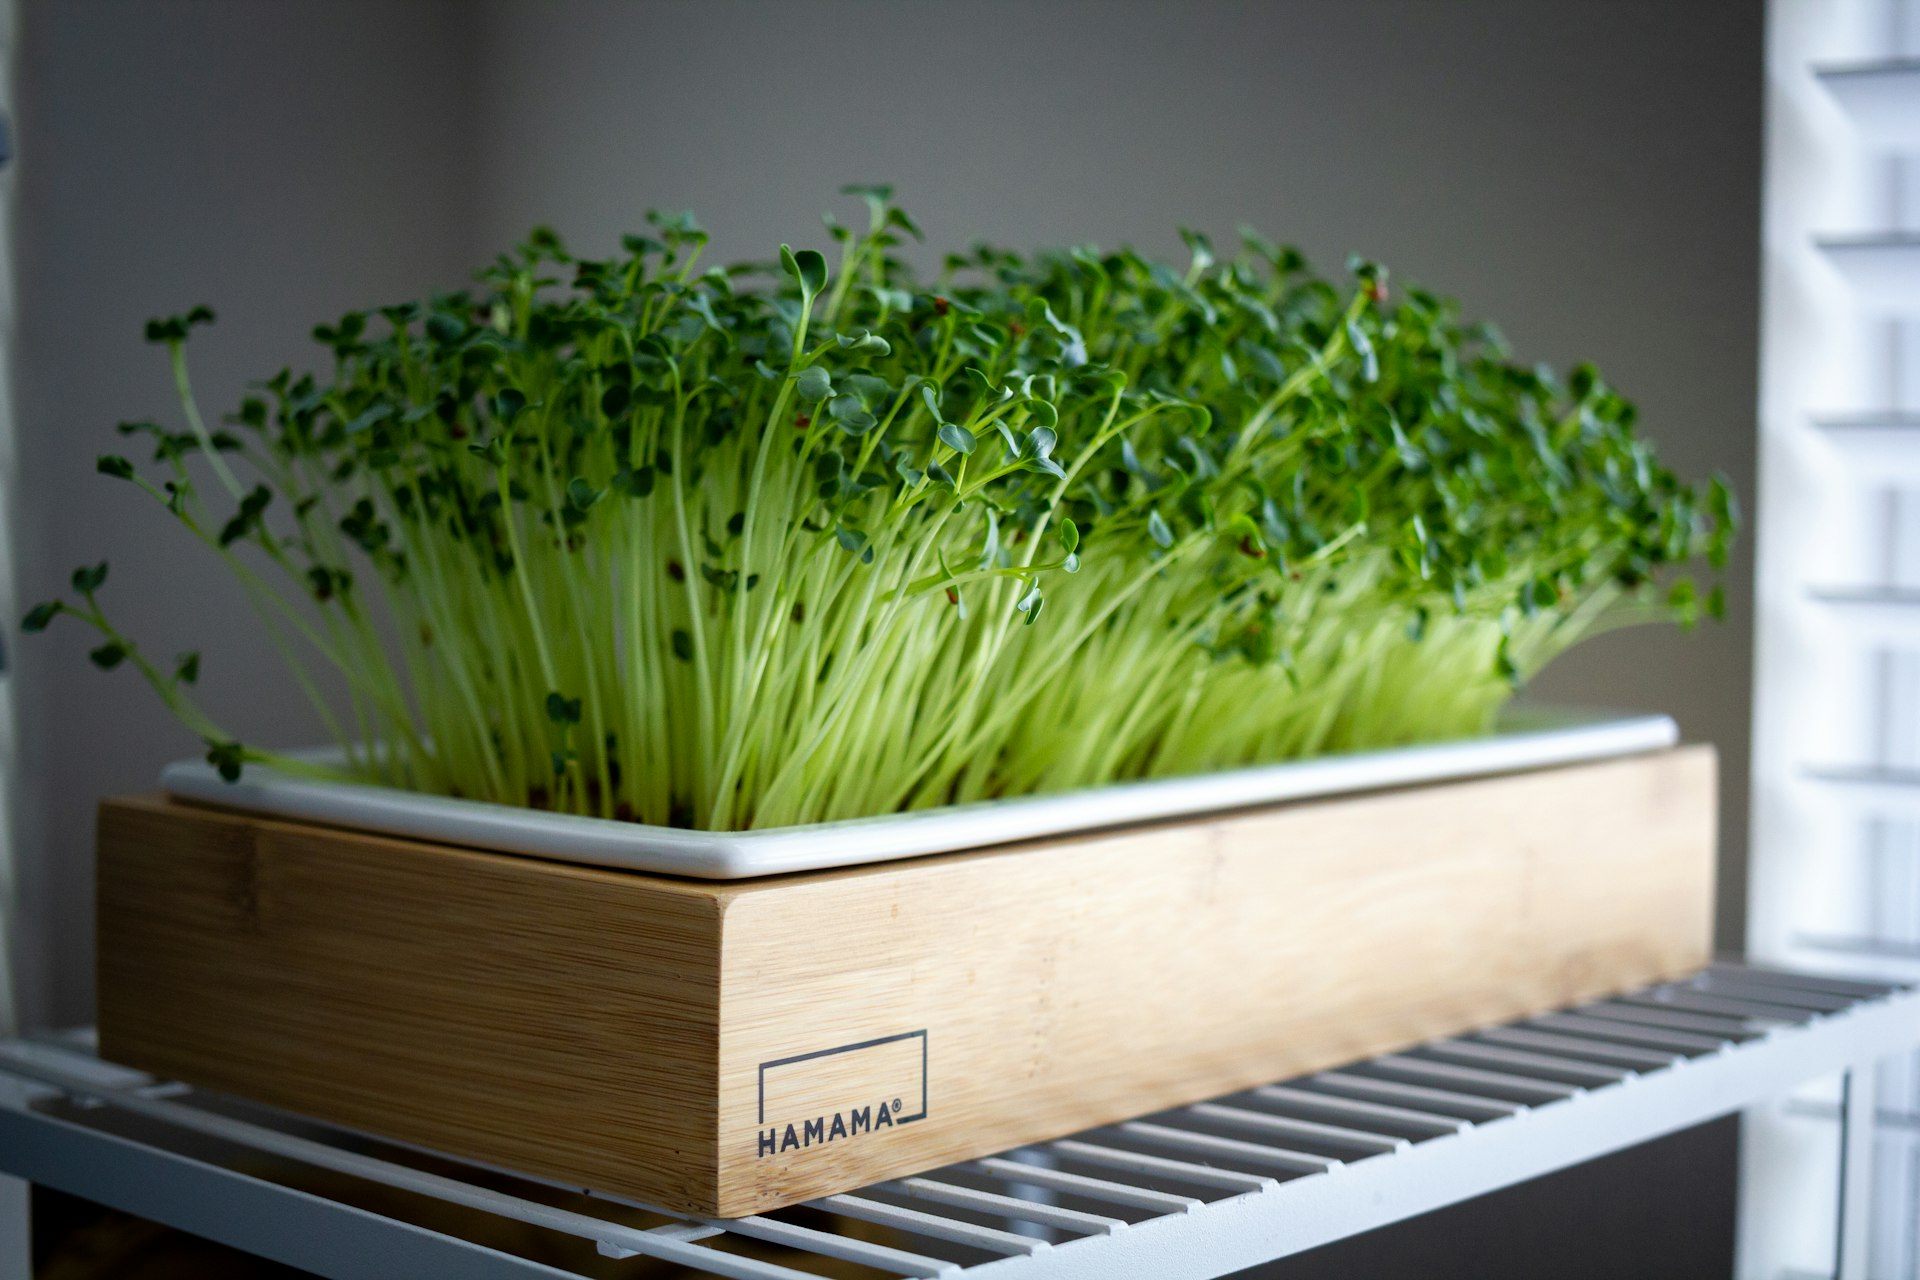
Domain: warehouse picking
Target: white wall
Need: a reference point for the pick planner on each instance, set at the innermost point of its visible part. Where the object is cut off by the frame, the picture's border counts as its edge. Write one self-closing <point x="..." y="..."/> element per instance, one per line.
<point x="1586" y="172"/>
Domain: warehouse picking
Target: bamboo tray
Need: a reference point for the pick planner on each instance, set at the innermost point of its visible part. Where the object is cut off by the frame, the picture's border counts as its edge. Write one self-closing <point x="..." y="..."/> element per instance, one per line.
<point x="1527" y="739"/>
<point x="725" y="1047"/>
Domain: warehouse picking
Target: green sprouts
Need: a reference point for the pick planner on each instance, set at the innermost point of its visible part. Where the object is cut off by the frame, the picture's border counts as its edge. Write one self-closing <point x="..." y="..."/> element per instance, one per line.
<point x="783" y="543"/>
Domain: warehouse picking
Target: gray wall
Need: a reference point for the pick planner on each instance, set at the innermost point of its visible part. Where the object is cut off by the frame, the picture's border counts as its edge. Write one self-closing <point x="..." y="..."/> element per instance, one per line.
<point x="281" y="162"/>
<point x="1585" y="172"/>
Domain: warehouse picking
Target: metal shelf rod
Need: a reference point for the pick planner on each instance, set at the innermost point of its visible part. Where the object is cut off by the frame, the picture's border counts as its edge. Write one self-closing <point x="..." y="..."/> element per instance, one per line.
<point x="1195" y="1192"/>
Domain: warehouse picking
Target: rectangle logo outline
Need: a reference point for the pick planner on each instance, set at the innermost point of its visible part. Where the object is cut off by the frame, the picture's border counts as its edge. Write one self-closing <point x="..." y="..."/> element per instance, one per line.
<point x="852" y="1048"/>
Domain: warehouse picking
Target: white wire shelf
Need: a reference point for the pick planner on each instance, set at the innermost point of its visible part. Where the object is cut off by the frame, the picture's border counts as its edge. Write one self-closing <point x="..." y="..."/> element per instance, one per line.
<point x="1195" y="1192"/>
<point x="1882" y="98"/>
<point x="1881" y="447"/>
<point x="1883" y="269"/>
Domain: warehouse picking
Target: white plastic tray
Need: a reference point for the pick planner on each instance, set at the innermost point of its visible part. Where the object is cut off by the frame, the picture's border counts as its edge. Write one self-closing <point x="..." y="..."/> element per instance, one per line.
<point x="1527" y="740"/>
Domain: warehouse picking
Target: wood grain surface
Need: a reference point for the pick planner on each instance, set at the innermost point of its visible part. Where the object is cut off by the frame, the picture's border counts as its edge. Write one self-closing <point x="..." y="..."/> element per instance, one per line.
<point x="552" y="1018"/>
<point x="724" y="1048"/>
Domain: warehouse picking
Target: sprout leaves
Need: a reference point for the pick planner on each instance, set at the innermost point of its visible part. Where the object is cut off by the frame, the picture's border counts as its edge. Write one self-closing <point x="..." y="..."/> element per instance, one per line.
<point x="813" y="385"/>
<point x="957" y="438"/>
<point x="90" y="578"/>
<point x="782" y="535"/>
<point x="1157" y="530"/>
<point x="227" y="757"/>
<point x="808" y="269"/>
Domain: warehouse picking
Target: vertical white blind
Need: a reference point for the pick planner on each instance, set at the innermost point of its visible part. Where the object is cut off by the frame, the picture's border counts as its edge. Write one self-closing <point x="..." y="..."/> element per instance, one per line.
<point x="1836" y="821"/>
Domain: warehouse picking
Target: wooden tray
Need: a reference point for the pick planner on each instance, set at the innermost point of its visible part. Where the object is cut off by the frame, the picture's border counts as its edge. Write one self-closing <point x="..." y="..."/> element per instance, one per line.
<point x="724" y="1048"/>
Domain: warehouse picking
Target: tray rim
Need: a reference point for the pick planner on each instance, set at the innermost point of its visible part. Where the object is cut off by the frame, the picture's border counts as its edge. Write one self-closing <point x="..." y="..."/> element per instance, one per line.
<point x="1530" y="738"/>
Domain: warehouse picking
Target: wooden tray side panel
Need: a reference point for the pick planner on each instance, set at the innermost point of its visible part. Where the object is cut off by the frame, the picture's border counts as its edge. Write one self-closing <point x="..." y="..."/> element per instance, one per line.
<point x="726" y="1048"/>
<point x="1057" y="987"/>
<point x="550" y="1018"/>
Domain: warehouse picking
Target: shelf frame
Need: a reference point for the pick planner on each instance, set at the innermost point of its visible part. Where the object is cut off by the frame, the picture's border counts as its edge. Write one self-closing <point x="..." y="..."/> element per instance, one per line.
<point x="1198" y="1192"/>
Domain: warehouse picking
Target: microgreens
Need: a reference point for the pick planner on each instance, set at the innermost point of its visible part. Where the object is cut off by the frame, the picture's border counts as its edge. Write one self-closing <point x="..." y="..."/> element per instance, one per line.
<point x="774" y="544"/>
